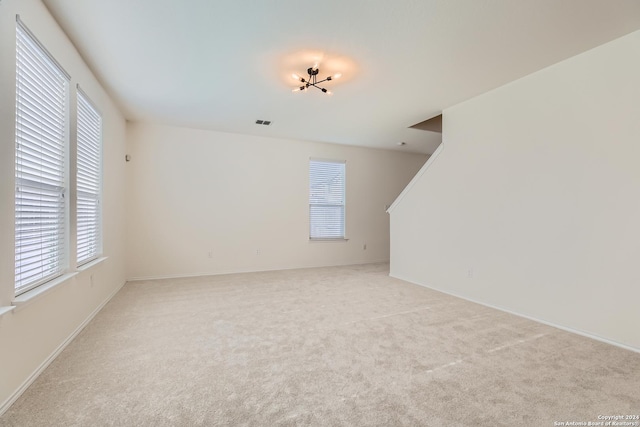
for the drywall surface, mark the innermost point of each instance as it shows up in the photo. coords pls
(532, 205)
(31, 334)
(204, 202)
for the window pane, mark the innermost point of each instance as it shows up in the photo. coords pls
(89, 181)
(327, 221)
(326, 199)
(40, 206)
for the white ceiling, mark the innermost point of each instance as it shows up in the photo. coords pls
(223, 64)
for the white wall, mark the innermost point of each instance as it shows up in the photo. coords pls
(195, 191)
(31, 334)
(537, 190)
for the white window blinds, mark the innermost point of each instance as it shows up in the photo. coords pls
(41, 138)
(326, 199)
(89, 175)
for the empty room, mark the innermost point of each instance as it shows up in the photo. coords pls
(355, 213)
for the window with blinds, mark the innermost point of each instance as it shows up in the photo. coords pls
(41, 146)
(326, 199)
(89, 176)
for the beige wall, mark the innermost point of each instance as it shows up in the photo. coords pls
(533, 205)
(31, 334)
(195, 192)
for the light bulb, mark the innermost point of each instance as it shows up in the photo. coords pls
(315, 66)
(295, 90)
(295, 76)
(337, 75)
(329, 93)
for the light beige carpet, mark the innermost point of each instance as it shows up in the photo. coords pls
(340, 346)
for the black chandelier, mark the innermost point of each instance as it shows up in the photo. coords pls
(312, 80)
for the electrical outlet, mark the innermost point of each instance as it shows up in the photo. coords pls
(210, 254)
(470, 273)
(364, 247)
(257, 251)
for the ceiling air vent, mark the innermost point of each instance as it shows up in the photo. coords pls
(263, 122)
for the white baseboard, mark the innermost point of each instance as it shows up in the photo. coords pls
(16, 394)
(241, 271)
(544, 322)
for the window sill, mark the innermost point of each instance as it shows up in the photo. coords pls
(339, 239)
(35, 293)
(91, 264)
(6, 310)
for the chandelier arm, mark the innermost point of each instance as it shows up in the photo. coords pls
(312, 80)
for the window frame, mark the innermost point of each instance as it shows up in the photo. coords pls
(83, 101)
(313, 225)
(42, 143)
